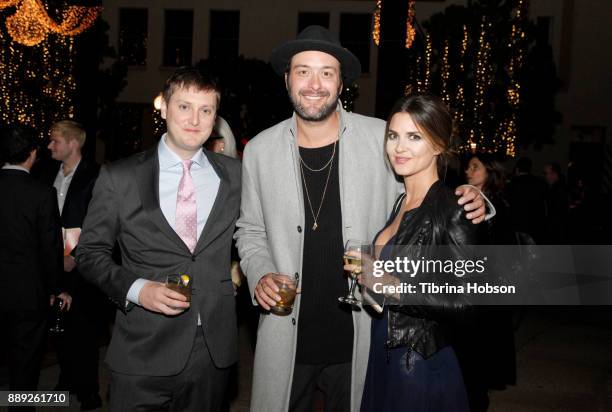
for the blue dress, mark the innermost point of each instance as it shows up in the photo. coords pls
(399, 379)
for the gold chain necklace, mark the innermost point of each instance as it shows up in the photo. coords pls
(315, 218)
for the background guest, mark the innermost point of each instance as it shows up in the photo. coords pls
(73, 177)
(557, 205)
(527, 198)
(486, 351)
(222, 139)
(30, 257)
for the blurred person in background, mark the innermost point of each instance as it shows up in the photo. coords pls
(527, 199)
(487, 352)
(222, 139)
(73, 176)
(557, 205)
(30, 257)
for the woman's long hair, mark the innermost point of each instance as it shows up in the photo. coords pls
(496, 175)
(432, 117)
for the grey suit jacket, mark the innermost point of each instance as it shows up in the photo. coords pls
(125, 209)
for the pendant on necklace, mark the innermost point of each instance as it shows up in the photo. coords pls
(315, 226)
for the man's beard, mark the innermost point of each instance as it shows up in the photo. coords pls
(323, 113)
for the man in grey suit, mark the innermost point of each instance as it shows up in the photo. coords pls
(172, 210)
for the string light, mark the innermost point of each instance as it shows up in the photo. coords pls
(376, 25)
(410, 30)
(428, 54)
(513, 93)
(460, 103)
(31, 24)
(484, 101)
(482, 81)
(37, 84)
(445, 74)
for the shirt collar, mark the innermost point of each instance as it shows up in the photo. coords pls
(168, 159)
(15, 167)
(61, 170)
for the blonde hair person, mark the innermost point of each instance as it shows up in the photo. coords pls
(227, 143)
(70, 130)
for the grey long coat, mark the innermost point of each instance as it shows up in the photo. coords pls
(270, 237)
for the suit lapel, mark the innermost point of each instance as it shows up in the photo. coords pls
(149, 194)
(77, 182)
(213, 228)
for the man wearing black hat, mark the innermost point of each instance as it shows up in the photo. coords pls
(309, 184)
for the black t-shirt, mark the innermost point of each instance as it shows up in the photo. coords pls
(325, 330)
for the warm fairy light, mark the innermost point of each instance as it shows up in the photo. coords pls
(157, 102)
(410, 30)
(483, 80)
(376, 28)
(428, 54)
(445, 74)
(37, 85)
(31, 23)
(509, 129)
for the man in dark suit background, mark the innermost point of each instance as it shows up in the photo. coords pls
(73, 177)
(30, 256)
(172, 210)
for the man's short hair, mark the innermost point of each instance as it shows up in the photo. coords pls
(70, 130)
(16, 144)
(188, 77)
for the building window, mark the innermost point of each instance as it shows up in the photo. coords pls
(133, 26)
(178, 37)
(306, 19)
(355, 36)
(224, 33)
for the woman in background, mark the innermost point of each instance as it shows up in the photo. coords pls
(222, 140)
(486, 173)
(487, 353)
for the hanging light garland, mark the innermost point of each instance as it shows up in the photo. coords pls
(460, 95)
(376, 25)
(513, 93)
(31, 24)
(428, 63)
(37, 83)
(445, 74)
(410, 30)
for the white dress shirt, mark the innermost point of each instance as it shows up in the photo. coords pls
(62, 184)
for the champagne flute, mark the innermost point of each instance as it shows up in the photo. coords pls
(360, 247)
(57, 323)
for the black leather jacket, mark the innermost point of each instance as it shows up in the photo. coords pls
(423, 322)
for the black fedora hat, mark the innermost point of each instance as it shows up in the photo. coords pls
(319, 39)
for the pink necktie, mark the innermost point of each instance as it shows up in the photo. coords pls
(186, 211)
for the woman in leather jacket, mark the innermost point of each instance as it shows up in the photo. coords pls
(412, 365)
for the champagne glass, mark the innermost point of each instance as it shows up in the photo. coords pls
(57, 322)
(360, 247)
